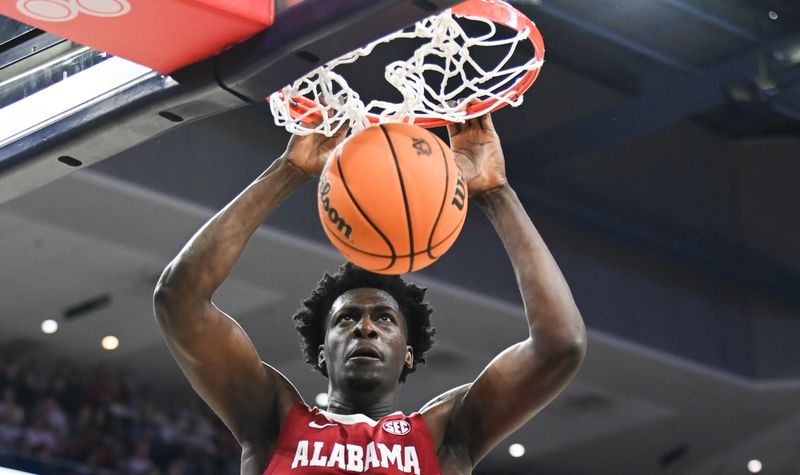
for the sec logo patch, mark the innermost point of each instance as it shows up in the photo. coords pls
(398, 427)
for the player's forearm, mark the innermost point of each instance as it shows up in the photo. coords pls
(554, 319)
(207, 259)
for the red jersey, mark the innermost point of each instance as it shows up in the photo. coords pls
(317, 442)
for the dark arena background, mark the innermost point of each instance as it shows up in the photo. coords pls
(658, 153)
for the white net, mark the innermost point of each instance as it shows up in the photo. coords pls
(448, 52)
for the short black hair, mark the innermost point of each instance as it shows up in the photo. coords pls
(312, 315)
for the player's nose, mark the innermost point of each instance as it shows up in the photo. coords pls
(365, 327)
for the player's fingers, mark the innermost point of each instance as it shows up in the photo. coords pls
(341, 132)
(482, 123)
(485, 122)
(454, 129)
(464, 107)
(314, 119)
(317, 115)
(474, 123)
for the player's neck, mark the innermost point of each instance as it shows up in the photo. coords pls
(371, 405)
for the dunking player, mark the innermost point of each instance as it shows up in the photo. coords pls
(366, 333)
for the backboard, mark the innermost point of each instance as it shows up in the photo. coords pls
(115, 103)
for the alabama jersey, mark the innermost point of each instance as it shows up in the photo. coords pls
(313, 441)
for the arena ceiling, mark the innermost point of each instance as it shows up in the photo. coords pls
(657, 153)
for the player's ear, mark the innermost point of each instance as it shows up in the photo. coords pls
(409, 356)
(321, 357)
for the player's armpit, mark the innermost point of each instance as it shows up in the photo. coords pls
(512, 389)
(437, 411)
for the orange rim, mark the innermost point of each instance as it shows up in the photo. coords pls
(495, 10)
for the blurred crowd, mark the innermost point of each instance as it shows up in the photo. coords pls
(58, 420)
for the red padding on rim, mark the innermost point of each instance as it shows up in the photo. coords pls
(164, 35)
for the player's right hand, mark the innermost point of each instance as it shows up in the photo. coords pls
(309, 153)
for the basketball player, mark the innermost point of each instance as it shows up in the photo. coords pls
(367, 338)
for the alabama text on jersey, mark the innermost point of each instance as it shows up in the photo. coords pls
(313, 441)
(355, 458)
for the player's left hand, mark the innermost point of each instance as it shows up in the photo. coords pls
(478, 154)
(309, 153)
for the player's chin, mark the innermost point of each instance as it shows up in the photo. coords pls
(364, 380)
(364, 368)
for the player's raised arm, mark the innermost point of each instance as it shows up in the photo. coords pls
(214, 352)
(525, 377)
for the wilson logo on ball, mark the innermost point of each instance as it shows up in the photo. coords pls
(333, 215)
(459, 193)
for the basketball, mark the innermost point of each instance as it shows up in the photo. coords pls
(391, 198)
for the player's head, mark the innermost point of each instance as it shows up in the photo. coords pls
(312, 319)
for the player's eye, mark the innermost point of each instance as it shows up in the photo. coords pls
(385, 317)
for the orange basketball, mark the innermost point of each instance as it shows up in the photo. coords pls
(391, 198)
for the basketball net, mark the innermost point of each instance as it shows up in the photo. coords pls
(323, 101)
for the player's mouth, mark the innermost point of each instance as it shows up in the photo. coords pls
(365, 353)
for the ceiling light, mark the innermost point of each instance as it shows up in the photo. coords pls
(8, 471)
(322, 400)
(790, 55)
(516, 450)
(110, 342)
(49, 326)
(773, 15)
(74, 93)
(754, 466)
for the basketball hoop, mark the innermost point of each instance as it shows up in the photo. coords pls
(323, 101)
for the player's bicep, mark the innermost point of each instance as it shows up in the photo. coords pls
(223, 366)
(512, 389)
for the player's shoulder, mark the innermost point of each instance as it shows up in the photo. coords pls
(446, 398)
(262, 422)
(437, 411)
